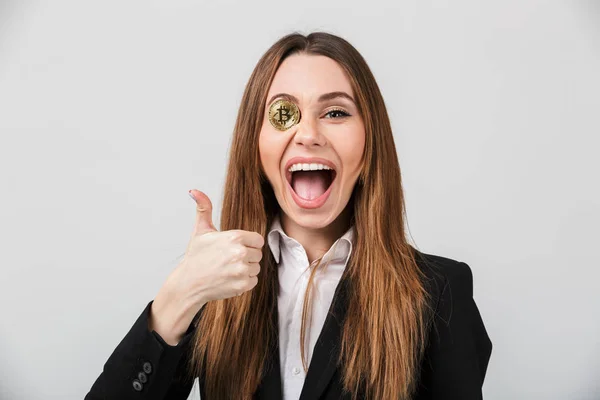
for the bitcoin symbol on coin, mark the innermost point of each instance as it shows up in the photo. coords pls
(283, 114)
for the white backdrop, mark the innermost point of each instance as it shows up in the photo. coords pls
(110, 111)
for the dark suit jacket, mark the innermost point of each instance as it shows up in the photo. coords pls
(143, 366)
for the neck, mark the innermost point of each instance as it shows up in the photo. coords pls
(317, 242)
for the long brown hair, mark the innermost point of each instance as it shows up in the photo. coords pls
(385, 330)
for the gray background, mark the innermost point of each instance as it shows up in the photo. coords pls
(110, 111)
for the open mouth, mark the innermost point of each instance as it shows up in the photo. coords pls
(310, 185)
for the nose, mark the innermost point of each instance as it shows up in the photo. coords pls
(308, 134)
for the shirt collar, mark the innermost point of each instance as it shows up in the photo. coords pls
(277, 237)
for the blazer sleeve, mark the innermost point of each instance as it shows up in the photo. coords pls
(143, 366)
(459, 348)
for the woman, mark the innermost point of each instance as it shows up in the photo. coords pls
(344, 307)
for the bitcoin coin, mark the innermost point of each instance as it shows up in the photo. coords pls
(284, 114)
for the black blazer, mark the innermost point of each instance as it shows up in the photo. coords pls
(143, 366)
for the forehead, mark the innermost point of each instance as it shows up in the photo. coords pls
(306, 76)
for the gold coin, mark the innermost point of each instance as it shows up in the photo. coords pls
(284, 114)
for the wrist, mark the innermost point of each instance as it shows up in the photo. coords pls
(169, 318)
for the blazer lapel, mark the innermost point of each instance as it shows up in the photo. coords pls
(325, 354)
(323, 362)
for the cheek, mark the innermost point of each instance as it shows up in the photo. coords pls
(351, 150)
(270, 154)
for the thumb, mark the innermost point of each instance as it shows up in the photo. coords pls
(204, 222)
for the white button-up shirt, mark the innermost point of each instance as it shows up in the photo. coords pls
(293, 281)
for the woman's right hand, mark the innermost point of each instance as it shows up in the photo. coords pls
(217, 265)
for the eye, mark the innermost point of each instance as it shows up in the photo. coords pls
(336, 113)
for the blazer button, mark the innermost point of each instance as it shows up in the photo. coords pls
(147, 367)
(137, 385)
(142, 377)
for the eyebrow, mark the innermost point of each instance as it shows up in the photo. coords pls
(322, 98)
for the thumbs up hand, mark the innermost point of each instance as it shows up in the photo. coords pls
(217, 265)
(220, 264)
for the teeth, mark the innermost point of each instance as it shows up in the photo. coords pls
(307, 167)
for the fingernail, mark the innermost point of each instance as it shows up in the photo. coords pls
(191, 195)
